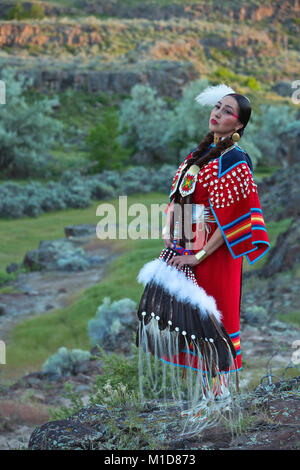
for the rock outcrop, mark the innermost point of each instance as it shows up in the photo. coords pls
(273, 411)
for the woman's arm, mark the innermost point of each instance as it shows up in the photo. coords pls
(215, 241)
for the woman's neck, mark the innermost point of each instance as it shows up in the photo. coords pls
(218, 137)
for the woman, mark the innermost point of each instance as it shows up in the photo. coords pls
(233, 216)
(223, 222)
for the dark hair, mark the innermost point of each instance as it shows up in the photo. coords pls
(244, 110)
(200, 157)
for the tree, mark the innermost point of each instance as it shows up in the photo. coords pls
(104, 148)
(27, 132)
(189, 122)
(144, 120)
(276, 128)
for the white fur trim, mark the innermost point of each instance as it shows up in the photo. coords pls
(176, 283)
(212, 94)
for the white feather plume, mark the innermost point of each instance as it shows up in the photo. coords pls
(176, 283)
(212, 94)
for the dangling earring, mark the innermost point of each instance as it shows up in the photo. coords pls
(235, 137)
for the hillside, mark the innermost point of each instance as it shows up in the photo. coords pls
(108, 46)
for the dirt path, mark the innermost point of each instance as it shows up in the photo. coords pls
(38, 292)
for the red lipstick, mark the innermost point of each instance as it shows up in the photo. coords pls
(213, 121)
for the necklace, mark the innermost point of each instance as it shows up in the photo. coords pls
(216, 139)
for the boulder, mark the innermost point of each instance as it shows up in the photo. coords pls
(61, 255)
(66, 434)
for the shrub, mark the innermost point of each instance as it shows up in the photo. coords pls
(66, 362)
(277, 124)
(110, 318)
(162, 178)
(144, 120)
(27, 131)
(136, 180)
(189, 122)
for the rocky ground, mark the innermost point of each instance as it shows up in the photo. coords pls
(268, 418)
(270, 412)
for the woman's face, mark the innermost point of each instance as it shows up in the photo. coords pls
(224, 119)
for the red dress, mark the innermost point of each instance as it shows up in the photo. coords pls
(226, 188)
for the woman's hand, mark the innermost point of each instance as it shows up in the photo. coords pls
(180, 261)
(168, 241)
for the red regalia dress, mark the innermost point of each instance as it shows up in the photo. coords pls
(226, 188)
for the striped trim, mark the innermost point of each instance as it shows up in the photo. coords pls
(242, 227)
(199, 370)
(232, 224)
(235, 338)
(238, 229)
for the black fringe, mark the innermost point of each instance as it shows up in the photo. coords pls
(201, 328)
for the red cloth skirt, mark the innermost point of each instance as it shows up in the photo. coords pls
(220, 275)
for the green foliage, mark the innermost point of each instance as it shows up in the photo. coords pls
(64, 412)
(227, 75)
(274, 124)
(118, 369)
(18, 12)
(188, 124)
(125, 370)
(35, 198)
(144, 120)
(110, 318)
(27, 131)
(103, 146)
(117, 396)
(293, 318)
(77, 191)
(65, 362)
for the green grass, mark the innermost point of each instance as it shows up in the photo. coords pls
(35, 339)
(293, 318)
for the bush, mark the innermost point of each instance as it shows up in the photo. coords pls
(136, 179)
(27, 131)
(144, 120)
(104, 148)
(110, 319)
(277, 124)
(77, 191)
(66, 362)
(162, 179)
(189, 122)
